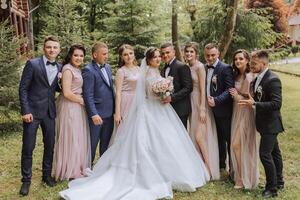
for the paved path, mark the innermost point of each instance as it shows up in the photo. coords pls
(287, 61)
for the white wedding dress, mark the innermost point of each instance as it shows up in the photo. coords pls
(152, 155)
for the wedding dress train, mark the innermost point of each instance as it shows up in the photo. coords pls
(152, 156)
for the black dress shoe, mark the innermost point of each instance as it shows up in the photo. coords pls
(269, 194)
(49, 181)
(25, 188)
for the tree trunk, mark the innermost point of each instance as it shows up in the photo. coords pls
(175, 40)
(230, 22)
(92, 17)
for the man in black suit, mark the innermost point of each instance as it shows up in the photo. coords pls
(37, 98)
(267, 103)
(182, 80)
(219, 79)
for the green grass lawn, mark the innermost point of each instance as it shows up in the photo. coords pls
(10, 149)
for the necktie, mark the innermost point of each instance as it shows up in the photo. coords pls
(50, 63)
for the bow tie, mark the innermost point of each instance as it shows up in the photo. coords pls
(210, 67)
(50, 63)
(101, 66)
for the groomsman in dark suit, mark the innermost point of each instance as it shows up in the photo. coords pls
(37, 98)
(98, 95)
(182, 80)
(219, 79)
(267, 102)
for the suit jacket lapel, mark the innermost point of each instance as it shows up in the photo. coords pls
(43, 68)
(259, 92)
(97, 68)
(109, 76)
(172, 65)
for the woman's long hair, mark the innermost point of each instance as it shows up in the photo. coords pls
(120, 52)
(236, 71)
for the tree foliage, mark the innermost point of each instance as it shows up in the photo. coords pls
(296, 8)
(10, 61)
(277, 9)
(251, 31)
(63, 18)
(131, 22)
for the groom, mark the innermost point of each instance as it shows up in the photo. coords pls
(98, 95)
(37, 98)
(182, 80)
(267, 103)
(219, 79)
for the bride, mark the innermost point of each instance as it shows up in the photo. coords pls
(152, 156)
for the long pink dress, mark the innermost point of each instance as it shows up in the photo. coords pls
(128, 88)
(130, 77)
(203, 131)
(72, 142)
(243, 124)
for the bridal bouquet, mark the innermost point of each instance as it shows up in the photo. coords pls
(163, 87)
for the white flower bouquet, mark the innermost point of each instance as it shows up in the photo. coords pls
(163, 87)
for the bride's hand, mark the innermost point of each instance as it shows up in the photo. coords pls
(117, 119)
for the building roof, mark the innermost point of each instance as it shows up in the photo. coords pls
(294, 20)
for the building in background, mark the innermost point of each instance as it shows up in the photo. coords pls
(17, 12)
(294, 29)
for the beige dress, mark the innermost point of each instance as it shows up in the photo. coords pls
(203, 131)
(72, 142)
(243, 123)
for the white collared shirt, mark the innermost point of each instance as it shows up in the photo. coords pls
(209, 77)
(50, 70)
(259, 78)
(168, 68)
(104, 72)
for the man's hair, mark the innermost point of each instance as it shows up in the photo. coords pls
(97, 46)
(260, 54)
(211, 46)
(51, 38)
(166, 45)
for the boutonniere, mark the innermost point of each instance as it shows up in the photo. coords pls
(59, 76)
(259, 92)
(214, 81)
(170, 78)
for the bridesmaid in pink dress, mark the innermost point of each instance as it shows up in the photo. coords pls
(244, 152)
(72, 142)
(126, 79)
(202, 127)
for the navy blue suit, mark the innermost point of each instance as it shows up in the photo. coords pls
(99, 100)
(223, 109)
(37, 97)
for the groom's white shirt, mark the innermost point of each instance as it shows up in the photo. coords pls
(168, 68)
(259, 78)
(209, 76)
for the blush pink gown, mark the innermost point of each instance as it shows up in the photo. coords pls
(72, 142)
(130, 77)
(243, 124)
(204, 131)
(128, 88)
